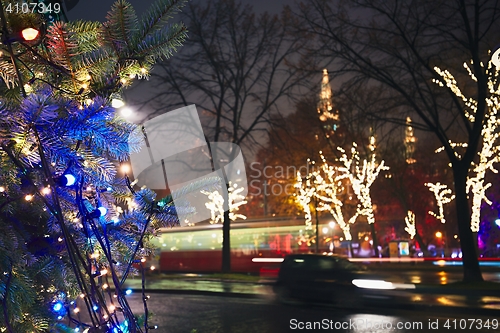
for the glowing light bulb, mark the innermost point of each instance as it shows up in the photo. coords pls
(28, 197)
(57, 306)
(70, 179)
(126, 112)
(29, 34)
(117, 103)
(125, 168)
(102, 210)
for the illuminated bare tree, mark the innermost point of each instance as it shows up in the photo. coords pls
(410, 224)
(361, 175)
(235, 69)
(396, 45)
(489, 151)
(443, 196)
(216, 204)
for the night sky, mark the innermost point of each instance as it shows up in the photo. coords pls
(95, 10)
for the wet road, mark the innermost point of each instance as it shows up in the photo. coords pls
(438, 276)
(214, 314)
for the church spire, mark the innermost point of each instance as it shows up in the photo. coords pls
(410, 142)
(325, 107)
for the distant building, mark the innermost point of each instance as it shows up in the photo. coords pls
(410, 142)
(325, 107)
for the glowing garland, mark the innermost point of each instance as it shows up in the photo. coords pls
(443, 196)
(489, 152)
(328, 191)
(305, 193)
(410, 224)
(216, 204)
(361, 175)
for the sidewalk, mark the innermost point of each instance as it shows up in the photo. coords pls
(435, 298)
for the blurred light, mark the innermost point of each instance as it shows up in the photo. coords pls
(102, 210)
(70, 179)
(372, 284)
(128, 291)
(117, 103)
(495, 57)
(28, 197)
(331, 224)
(29, 34)
(46, 190)
(497, 222)
(126, 112)
(267, 259)
(125, 168)
(57, 307)
(439, 234)
(325, 230)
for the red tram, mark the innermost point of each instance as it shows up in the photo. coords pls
(254, 244)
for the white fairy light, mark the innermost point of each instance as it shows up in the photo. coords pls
(361, 174)
(410, 224)
(488, 153)
(216, 204)
(305, 193)
(443, 196)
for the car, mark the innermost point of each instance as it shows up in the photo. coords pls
(329, 278)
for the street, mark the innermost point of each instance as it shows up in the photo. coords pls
(215, 314)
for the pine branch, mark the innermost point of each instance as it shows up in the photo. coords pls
(162, 43)
(122, 25)
(157, 16)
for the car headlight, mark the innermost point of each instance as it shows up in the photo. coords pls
(373, 284)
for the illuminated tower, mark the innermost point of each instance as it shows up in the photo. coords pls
(325, 107)
(410, 142)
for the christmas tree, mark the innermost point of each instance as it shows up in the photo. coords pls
(72, 226)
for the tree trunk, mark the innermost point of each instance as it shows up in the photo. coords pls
(421, 243)
(472, 271)
(226, 243)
